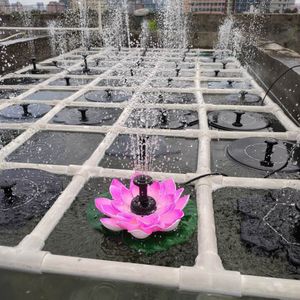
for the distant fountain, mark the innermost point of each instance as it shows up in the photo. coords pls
(230, 39)
(145, 34)
(174, 23)
(144, 147)
(116, 31)
(58, 39)
(224, 42)
(126, 16)
(238, 38)
(27, 22)
(84, 24)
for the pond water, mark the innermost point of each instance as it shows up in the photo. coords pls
(57, 147)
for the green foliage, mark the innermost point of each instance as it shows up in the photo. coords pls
(152, 25)
(157, 242)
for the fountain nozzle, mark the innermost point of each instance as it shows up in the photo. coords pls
(26, 113)
(83, 114)
(67, 79)
(164, 117)
(160, 98)
(34, 67)
(217, 73)
(144, 51)
(169, 81)
(237, 122)
(97, 61)
(108, 93)
(243, 94)
(268, 154)
(143, 204)
(85, 69)
(7, 186)
(230, 82)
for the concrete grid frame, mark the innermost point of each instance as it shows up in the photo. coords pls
(208, 274)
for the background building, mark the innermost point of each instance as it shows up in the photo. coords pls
(138, 4)
(40, 6)
(250, 6)
(16, 7)
(281, 5)
(91, 4)
(4, 6)
(54, 7)
(205, 6)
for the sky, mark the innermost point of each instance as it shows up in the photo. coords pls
(30, 2)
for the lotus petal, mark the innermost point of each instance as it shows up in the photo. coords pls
(172, 226)
(106, 207)
(110, 224)
(182, 202)
(169, 186)
(170, 217)
(139, 234)
(154, 190)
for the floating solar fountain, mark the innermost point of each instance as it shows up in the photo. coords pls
(26, 193)
(259, 157)
(229, 84)
(241, 98)
(87, 116)
(24, 112)
(107, 95)
(239, 120)
(164, 119)
(265, 154)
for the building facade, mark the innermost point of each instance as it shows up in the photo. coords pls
(4, 6)
(138, 4)
(16, 7)
(250, 6)
(281, 5)
(91, 4)
(54, 7)
(40, 6)
(205, 6)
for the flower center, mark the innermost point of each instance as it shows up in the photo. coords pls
(143, 204)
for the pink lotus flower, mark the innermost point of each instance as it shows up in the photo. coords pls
(167, 216)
